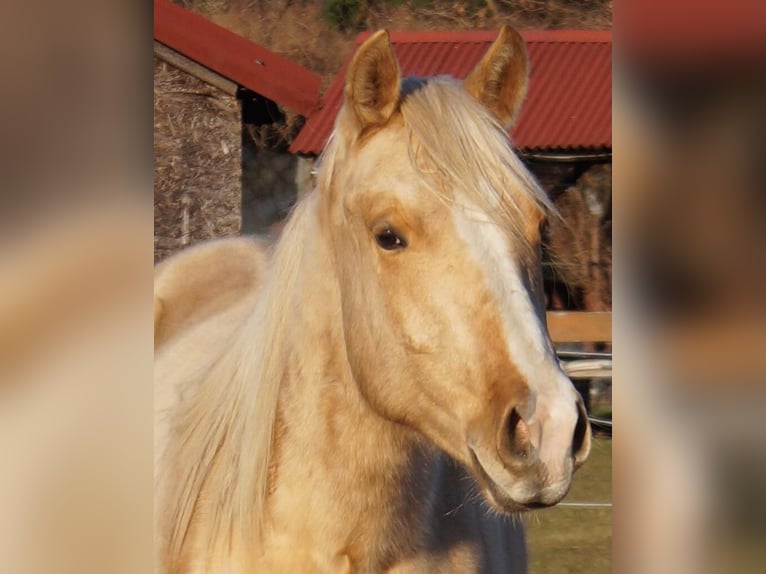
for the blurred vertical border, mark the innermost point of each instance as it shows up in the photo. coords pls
(689, 284)
(76, 287)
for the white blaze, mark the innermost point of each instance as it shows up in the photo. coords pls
(553, 415)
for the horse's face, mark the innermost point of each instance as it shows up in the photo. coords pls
(443, 324)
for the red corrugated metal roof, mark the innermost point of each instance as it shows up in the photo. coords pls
(236, 58)
(692, 34)
(569, 103)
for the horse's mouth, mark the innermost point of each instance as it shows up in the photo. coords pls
(492, 492)
(496, 495)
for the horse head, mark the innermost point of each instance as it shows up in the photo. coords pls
(434, 226)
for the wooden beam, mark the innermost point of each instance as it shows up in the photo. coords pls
(580, 326)
(183, 63)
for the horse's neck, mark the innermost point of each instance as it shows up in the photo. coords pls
(344, 480)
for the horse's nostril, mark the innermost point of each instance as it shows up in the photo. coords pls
(582, 435)
(518, 435)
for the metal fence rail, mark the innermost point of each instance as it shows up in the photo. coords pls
(584, 365)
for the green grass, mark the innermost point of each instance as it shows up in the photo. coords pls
(565, 540)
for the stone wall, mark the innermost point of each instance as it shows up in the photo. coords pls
(197, 161)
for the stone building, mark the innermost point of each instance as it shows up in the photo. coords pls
(225, 111)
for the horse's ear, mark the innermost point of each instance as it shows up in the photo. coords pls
(372, 82)
(499, 80)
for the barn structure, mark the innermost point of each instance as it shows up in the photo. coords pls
(225, 110)
(564, 135)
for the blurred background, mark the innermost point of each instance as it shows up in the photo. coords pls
(688, 281)
(75, 288)
(682, 269)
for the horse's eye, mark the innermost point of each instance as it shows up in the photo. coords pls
(389, 240)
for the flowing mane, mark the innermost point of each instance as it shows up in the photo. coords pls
(223, 431)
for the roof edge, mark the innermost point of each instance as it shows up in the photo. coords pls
(236, 58)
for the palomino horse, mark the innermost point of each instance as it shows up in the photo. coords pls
(386, 393)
